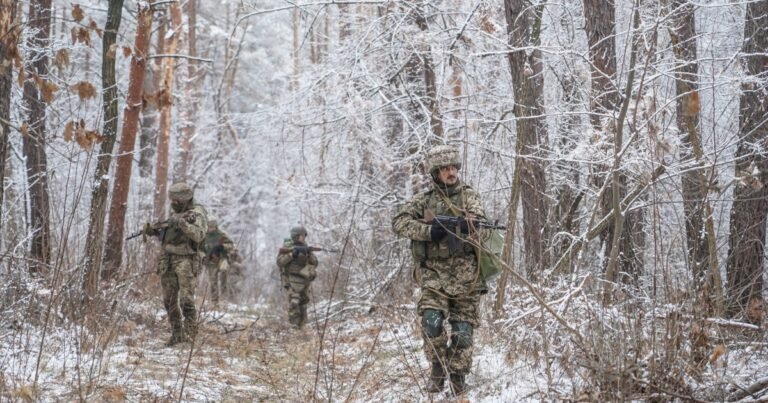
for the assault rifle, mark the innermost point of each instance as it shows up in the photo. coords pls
(302, 249)
(458, 225)
(157, 228)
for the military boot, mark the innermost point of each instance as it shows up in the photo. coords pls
(458, 386)
(177, 336)
(436, 378)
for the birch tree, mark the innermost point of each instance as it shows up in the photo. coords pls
(9, 55)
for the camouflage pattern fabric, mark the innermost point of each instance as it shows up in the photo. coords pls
(217, 246)
(449, 281)
(296, 275)
(178, 268)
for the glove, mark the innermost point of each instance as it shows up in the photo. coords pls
(437, 232)
(175, 219)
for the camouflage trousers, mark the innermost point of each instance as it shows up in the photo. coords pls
(298, 298)
(178, 275)
(442, 349)
(217, 281)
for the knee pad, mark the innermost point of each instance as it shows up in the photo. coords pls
(432, 322)
(461, 337)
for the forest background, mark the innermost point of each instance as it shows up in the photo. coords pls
(622, 143)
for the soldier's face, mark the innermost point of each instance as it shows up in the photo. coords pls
(300, 238)
(448, 175)
(211, 228)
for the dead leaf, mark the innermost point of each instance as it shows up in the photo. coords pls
(61, 59)
(48, 90)
(94, 27)
(112, 51)
(127, 51)
(717, 352)
(22, 76)
(77, 13)
(691, 107)
(164, 98)
(24, 129)
(85, 90)
(69, 130)
(81, 35)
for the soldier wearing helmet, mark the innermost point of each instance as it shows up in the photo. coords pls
(297, 265)
(218, 248)
(179, 262)
(451, 286)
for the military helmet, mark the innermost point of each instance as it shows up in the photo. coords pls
(441, 156)
(296, 231)
(212, 222)
(181, 192)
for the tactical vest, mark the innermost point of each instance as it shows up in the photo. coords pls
(448, 205)
(177, 243)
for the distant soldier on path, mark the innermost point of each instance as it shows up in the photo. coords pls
(218, 248)
(447, 268)
(297, 265)
(179, 262)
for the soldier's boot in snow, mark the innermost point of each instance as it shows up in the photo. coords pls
(458, 386)
(436, 378)
(177, 336)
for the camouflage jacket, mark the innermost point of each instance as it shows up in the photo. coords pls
(187, 236)
(217, 245)
(437, 268)
(303, 265)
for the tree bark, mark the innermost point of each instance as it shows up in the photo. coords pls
(523, 27)
(33, 144)
(600, 26)
(165, 100)
(190, 109)
(119, 204)
(750, 197)
(8, 49)
(99, 194)
(699, 228)
(150, 112)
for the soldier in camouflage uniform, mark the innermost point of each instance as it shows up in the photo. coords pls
(297, 270)
(179, 262)
(449, 278)
(217, 247)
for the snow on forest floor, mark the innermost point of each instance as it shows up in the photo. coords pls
(245, 354)
(249, 353)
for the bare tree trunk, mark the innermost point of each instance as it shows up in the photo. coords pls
(148, 137)
(165, 101)
(750, 197)
(699, 228)
(523, 26)
(600, 18)
(191, 96)
(8, 45)
(99, 194)
(119, 204)
(33, 144)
